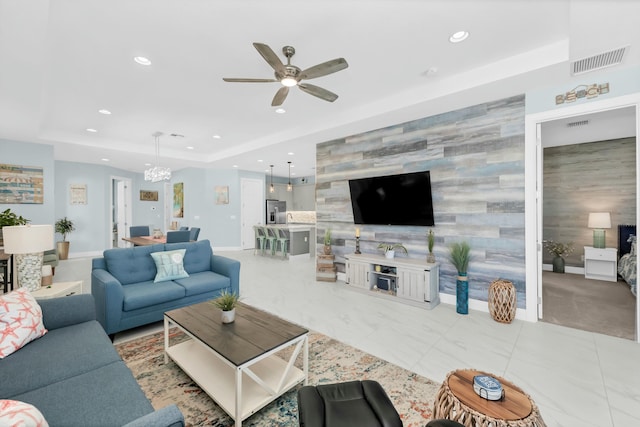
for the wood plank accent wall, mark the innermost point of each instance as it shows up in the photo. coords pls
(582, 178)
(476, 159)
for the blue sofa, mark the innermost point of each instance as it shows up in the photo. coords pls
(74, 376)
(122, 283)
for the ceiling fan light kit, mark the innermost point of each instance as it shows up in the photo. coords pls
(289, 75)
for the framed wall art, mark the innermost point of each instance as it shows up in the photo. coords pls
(21, 184)
(178, 200)
(78, 194)
(148, 196)
(222, 194)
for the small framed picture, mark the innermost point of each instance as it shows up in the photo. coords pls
(148, 196)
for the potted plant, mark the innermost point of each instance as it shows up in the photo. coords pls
(460, 255)
(227, 302)
(559, 251)
(327, 241)
(64, 226)
(431, 239)
(390, 249)
(8, 218)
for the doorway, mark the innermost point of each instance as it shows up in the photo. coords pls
(252, 210)
(121, 211)
(534, 190)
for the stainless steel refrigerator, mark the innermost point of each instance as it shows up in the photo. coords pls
(276, 212)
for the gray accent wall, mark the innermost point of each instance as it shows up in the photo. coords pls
(476, 159)
(582, 178)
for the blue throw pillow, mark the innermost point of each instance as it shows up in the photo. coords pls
(169, 265)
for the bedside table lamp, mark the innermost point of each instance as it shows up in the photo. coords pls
(599, 221)
(27, 243)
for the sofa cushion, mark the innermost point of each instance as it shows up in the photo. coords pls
(206, 281)
(198, 255)
(132, 265)
(169, 265)
(20, 321)
(147, 294)
(61, 353)
(106, 396)
(14, 413)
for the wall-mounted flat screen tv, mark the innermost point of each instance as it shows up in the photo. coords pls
(403, 199)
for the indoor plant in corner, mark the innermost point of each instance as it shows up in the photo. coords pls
(227, 302)
(327, 241)
(64, 226)
(459, 255)
(390, 249)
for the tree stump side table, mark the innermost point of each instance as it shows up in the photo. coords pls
(457, 401)
(502, 301)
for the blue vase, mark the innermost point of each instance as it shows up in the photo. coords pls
(462, 294)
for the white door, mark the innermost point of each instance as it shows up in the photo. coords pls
(540, 186)
(121, 220)
(121, 213)
(252, 210)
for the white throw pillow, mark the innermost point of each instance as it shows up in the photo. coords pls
(14, 413)
(20, 321)
(169, 265)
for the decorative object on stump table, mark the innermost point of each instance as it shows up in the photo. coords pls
(7, 219)
(459, 255)
(431, 238)
(64, 226)
(559, 251)
(327, 241)
(502, 301)
(390, 249)
(227, 302)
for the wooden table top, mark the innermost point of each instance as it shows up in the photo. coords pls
(516, 405)
(145, 240)
(252, 334)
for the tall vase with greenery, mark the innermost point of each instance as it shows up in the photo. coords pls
(559, 251)
(431, 239)
(327, 241)
(460, 255)
(8, 218)
(64, 226)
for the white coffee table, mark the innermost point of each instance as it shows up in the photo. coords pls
(58, 289)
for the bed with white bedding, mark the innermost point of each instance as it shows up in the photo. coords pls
(628, 264)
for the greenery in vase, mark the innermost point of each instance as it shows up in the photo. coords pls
(430, 240)
(227, 301)
(386, 247)
(558, 248)
(327, 237)
(8, 218)
(459, 255)
(64, 226)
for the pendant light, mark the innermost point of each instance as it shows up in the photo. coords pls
(289, 186)
(271, 187)
(157, 173)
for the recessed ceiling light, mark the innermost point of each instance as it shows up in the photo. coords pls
(291, 153)
(105, 112)
(92, 130)
(105, 160)
(235, 166)
(142, 60)
(190, 148)
(260, 160)
(280, 110)
(458, 36)
(147, 164)
(216, 137)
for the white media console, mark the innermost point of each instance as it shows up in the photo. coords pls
(415, 282)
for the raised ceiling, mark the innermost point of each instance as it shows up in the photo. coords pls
(61, 61)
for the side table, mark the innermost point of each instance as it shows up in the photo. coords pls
(58, 289)
(601, 263)
(457, 401)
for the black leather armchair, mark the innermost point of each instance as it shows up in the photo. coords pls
(355, 403)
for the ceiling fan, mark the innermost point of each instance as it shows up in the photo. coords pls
(290, 75)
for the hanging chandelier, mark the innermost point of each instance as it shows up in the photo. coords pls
(289, 186)
(157, 173)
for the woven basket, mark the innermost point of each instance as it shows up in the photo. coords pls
(502, 301)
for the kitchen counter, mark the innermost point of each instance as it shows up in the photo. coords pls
(301, 238)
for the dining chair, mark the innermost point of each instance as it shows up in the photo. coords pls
(193, 233)
(139, 230)
(178, 236)
(260, 239)
(183, 228)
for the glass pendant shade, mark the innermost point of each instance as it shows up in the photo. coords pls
(157, 173)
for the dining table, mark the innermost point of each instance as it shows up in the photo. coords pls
(145, 240)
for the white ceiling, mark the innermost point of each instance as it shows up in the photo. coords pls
(61, 61)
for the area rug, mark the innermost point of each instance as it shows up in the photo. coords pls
(330, 361)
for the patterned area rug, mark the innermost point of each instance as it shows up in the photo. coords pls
(330, 361)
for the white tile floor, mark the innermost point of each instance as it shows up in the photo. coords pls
(577, 378)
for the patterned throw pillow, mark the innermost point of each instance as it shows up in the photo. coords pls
(169, 265)
(20, 321)
(14, 413)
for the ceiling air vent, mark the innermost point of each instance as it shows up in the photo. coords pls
(596, 62)
(578, 123)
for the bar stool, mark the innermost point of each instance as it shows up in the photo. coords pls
(270, 236)
(283, 241)
(260, 239)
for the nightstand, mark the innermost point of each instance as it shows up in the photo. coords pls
(601, 264)
(58, 289)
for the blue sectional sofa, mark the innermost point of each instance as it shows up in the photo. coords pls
(122, 283)
(74, 376)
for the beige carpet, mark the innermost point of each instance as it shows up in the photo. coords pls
(591, 305)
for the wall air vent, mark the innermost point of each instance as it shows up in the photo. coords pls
(578, 123)
(596, 62)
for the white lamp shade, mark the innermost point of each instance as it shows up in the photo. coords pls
(27, 239)
(599, 220)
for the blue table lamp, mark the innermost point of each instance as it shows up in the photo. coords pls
(599, 221)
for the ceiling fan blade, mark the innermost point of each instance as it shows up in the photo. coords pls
(269, 55)
(232, 80)
(281, 95)
(324, 68)
(318, 91)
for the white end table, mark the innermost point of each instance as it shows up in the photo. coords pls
(601, 263)
(58, 289)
